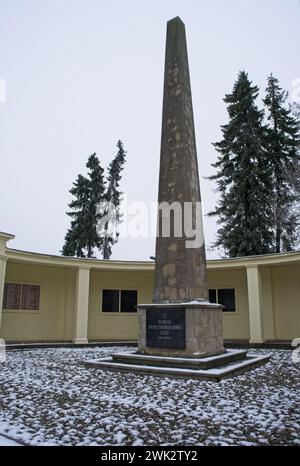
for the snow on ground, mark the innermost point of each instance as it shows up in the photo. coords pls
(5, 442)
(48, 396)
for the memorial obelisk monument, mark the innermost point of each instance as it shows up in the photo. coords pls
(180, 321)
(180, 332)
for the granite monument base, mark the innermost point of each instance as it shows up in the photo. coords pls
(215, 368)
(193, 329)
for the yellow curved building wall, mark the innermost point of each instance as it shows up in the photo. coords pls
(111, 325)
(53, 321)
(267, 292)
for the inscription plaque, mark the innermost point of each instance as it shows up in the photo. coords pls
(165, 328)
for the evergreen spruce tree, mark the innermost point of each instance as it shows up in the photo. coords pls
(295, 109)
(113, 198)
(243, 177)
(82, 238)
(76, 236)
(283, 150)
(96, 196)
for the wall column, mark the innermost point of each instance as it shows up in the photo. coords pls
(81, 305)
(2, 281)
(4, 237)
(268, 304)
(255, 305)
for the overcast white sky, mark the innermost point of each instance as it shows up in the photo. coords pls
(80, 74)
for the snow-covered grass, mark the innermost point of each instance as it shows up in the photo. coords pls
(48, 396)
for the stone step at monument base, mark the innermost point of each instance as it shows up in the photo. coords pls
(214, 368)
(201, 362)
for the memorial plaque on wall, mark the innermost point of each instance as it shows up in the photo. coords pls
(31, 297)
(165, 328)
(12, 296)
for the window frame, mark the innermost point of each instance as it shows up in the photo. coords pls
(235, 298)
(119, 312)
(120, 299)
(110, 312)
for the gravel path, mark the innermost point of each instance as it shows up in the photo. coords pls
(48, 396)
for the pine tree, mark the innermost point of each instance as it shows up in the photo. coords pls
(295, 181)
(283, 147)
(113, 198)
(243, 177)
(97, 189)
(75, 239)
(82, 238)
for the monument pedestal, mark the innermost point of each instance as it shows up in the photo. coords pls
(193, 329)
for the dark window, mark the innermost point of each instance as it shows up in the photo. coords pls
(212, 296)
(31, 297)
(128, 300)
(226, 297)
(110, 300)
(12, 296)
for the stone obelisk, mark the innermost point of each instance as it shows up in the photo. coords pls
(180, 332)
(180, 321)
(180, 272)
